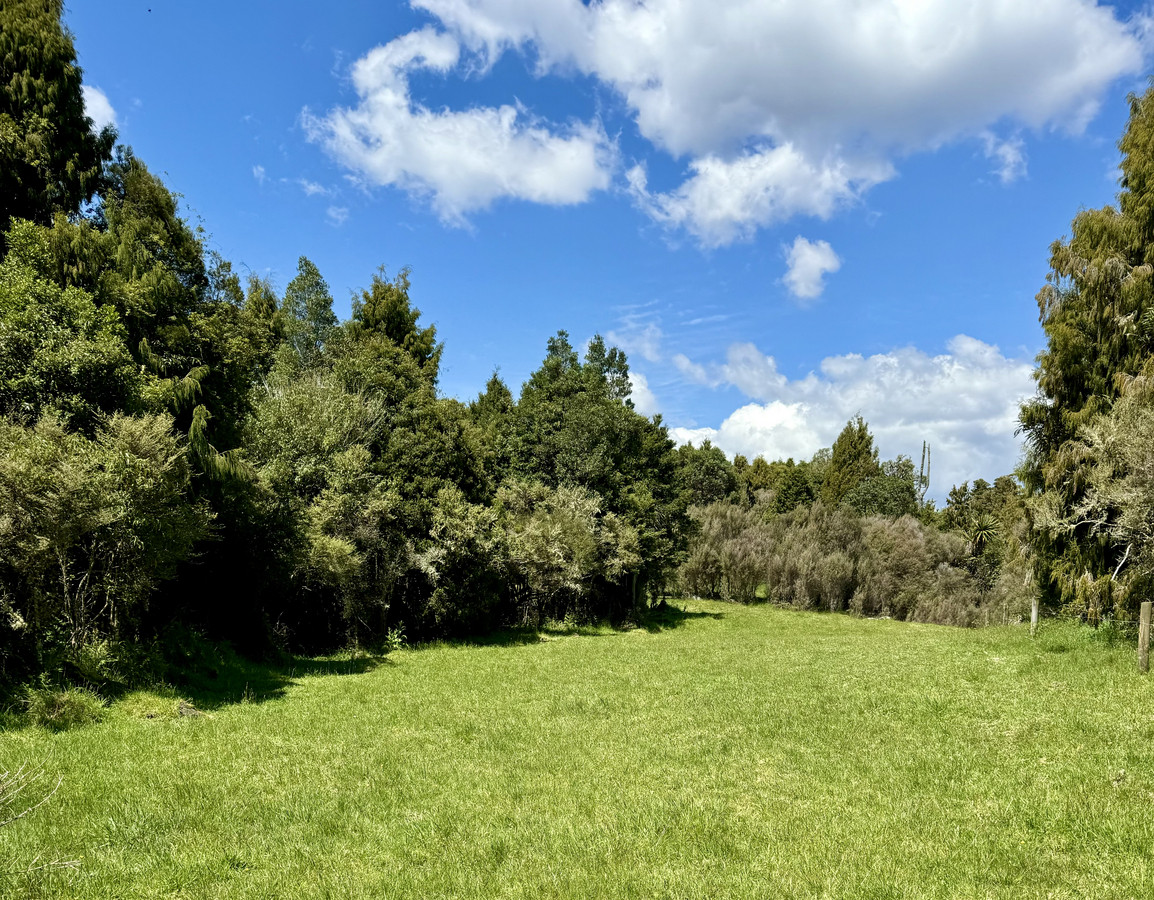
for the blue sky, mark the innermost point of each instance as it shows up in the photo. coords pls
(786, 213)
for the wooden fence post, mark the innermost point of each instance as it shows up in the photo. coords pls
(1144, 638)
(1034, 617)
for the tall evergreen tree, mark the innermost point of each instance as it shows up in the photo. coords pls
(50, 159)
(1097, 309)
(384, 309)
(854, 459)
(308, 308)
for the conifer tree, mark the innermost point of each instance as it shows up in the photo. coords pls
(50, 159)
(384, 309)
(308, 308)
(854, 460)
(1097, 309)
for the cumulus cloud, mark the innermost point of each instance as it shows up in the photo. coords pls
(758, 95)
(259, 174)
(723, 201)
(808, 263)
(964, 402)
(98, 107)
(462, 161)
(337, 215)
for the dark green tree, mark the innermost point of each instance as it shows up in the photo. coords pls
(50, 159)
(261, 301)
(854, 459)
(492, 416)
(384, 309)
(59, 351)
(1097, 309)
(759, 475)
(308, 309)
(893, 493)
(793, 488)
(705, 474)
(573, 426)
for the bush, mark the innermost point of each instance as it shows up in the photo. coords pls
(815, 557)
(897, 567)
(90, 528)
(728, 556)
(832, 558)
(952, 600)
(101, 663)
(61, 709)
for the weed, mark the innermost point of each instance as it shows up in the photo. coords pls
(395, 639)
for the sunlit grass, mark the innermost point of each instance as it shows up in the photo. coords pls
(746, 752)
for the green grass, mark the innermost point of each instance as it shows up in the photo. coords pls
(739, 752)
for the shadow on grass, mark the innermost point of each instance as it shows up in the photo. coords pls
(210, 676)
(240, 680)
(658, 618)
(665, 616)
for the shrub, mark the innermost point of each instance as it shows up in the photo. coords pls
(729, 555)
(953, 599)
(61, 709)
(91, 527)
(901, 566)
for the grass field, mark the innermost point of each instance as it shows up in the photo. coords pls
(734, 752)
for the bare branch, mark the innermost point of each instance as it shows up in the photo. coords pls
(13, 783)
(1122, 562)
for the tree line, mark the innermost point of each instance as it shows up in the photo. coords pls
(179, 446)
(848, 531)
(183, 447)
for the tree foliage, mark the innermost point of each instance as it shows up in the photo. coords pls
(1096, 309)
(51, 161)
(308, 310)
(853, 460)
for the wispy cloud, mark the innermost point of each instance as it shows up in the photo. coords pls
(1008, 156)
(312, 189)
(638, 337)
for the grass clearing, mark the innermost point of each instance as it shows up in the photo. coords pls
(738, 752)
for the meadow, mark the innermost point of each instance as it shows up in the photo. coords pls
(722, 751)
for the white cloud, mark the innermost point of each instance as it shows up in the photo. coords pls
(776, 430)
(964, 402)
(643, 399)
(259, 174)
(1009, 156)
(752, 94)
(638, 338)
(809, 262)
(337, 215)
(98, 107)
(694, 371)
(461, 160)
(312, 189)
(724, 201)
